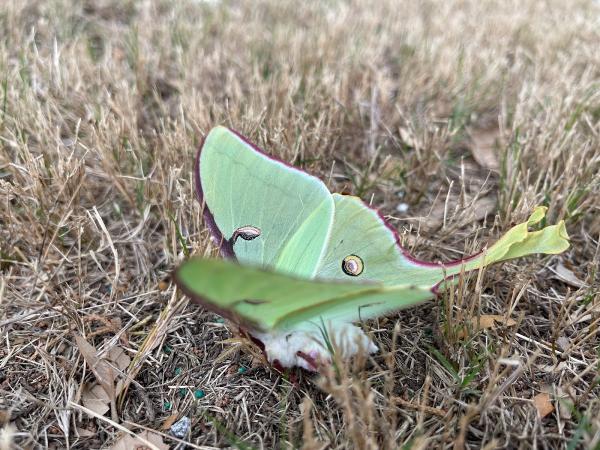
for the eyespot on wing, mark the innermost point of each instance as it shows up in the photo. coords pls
(353, 265)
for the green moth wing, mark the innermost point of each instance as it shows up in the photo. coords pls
(286, 214)
(264, 300)
(360, 231)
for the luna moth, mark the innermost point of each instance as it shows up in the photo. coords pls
(303, 265)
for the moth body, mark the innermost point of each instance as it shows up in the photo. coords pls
(293, 348)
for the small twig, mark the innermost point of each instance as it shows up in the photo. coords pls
(548, 347)
(113, 290)
(426, 409)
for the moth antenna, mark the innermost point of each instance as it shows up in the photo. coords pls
(247, 233)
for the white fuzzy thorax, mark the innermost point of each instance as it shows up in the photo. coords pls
(283, 346)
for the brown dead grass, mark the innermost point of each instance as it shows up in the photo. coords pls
(102, 105)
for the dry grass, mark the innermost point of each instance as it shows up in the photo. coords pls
(102, 105)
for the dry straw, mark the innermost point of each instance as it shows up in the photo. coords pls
(467, 113)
